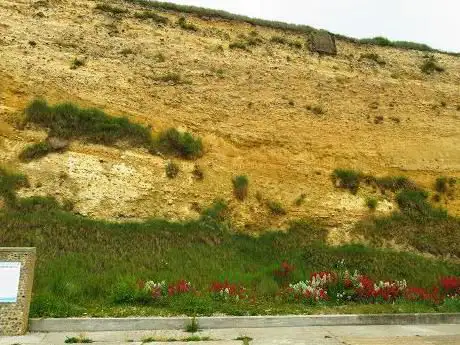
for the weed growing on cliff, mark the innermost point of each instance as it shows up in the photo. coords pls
(172, 170)
(9, 182)
(151, 15)
(431, 65)
(160, 57)
(198, 173)
(77, 62)
(300, 200)
(276, 208)
(36, 151)
(180, 144)
(173, 78)
(373, 57)
(286, 41)
(110, 9)
(347, 179)
(183, 24)
(239, 45)
(444, 183)
(371, 203)
(240, 187)
(393, 183)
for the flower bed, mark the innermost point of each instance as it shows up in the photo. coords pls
(340, 286)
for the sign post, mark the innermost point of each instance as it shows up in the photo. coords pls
(16, 278)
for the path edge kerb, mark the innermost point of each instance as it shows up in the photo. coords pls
(172, 323)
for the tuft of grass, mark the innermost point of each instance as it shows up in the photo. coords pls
(373, 57)
(192, 326)
(172, 170)
(240, 187)
(151, 15)
(78, 340)
(183, 24)
(239, 45)
(126, 51)
(110, 8)
(244, 339)
(171, 77)
(316, 109)
(300, 200)
(77, 62)
(183, 145)
(379, 119)
(431, 65)
(170, 340)
(9, 183)
(393, 183)
(443, 184)
(347, 179)
(276, 208)
(198, 173)
(371, 203)
(160, 57)
(36, 151)
(285, 41)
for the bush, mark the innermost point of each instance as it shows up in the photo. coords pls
(395, 183)
(182, 22)
(9, 182)
(373, 57)
(371, 203)
(77, 62)
(347, 179)
(300, 200)
(413, 201)
(443, 184)
(183, 145)
(379, 40)
(276, 208)
(430, 66)
(160, 57)
(152, 15)
(36, 151)
(110, 9)
(279, 40)
(198, 173)
(218, 212)
(171, 77)
(240, 187)
(172, 170)
(238, 45)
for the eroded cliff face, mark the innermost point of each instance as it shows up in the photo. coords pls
(281, 115)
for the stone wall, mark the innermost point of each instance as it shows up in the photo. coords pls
(14, 317)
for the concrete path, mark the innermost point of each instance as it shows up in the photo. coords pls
(319, 335)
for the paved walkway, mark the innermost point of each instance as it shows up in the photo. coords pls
(320, 335)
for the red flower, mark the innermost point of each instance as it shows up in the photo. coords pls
(450, 285)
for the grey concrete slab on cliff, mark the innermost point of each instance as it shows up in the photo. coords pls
(165, 323)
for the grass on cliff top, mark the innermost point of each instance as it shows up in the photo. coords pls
(298, 28)
(69, 121)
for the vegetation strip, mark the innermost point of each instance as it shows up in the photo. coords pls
(68, 121)
(303, 29)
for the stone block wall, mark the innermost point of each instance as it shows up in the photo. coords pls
(14, 317)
